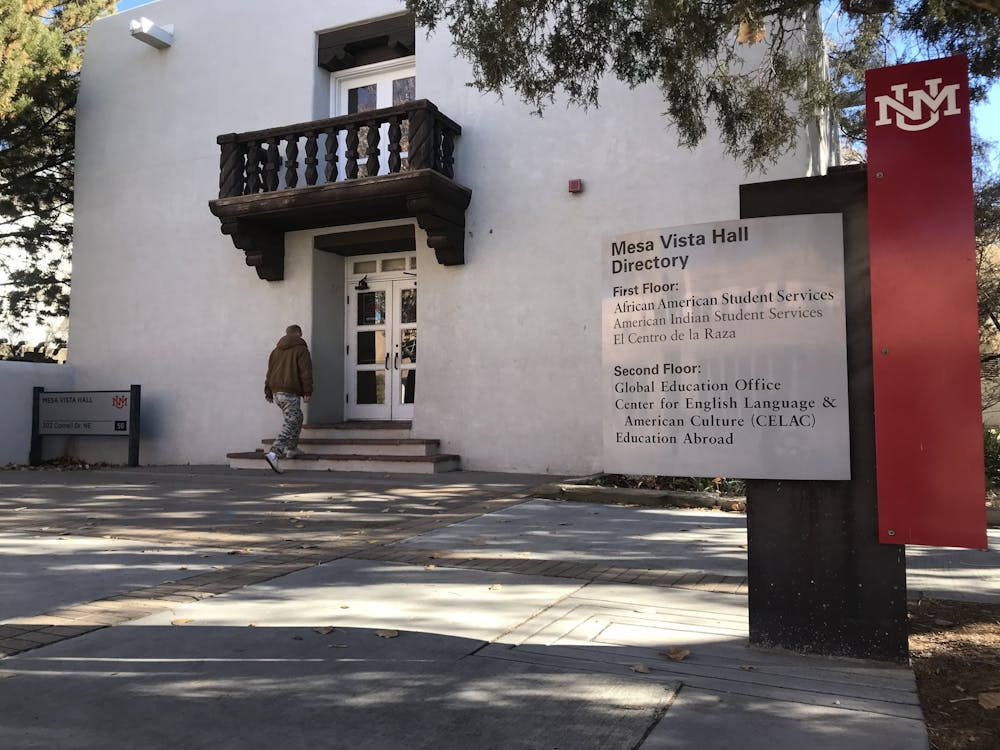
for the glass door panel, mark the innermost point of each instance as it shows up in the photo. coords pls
(405, 355)
(368, 352)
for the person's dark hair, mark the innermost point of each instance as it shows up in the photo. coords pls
(293, 330)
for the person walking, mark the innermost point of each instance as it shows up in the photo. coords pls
(289, 380)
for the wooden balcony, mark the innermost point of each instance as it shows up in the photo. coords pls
(265, 191)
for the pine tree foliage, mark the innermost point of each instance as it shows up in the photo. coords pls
(986, 180)
(754, 68)
(41, 45)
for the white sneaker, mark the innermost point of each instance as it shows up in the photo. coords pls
(272, 459)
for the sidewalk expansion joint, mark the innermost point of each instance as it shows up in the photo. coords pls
(601, 571)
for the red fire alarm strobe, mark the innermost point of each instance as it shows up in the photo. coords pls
(576, 186)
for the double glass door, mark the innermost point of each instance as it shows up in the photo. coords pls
(382, 349)
(375, 87)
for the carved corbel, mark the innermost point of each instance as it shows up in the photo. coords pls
(335, 58)
(445, 227)
(264, 247)
(401, 43)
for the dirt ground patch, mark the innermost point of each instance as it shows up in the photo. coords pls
(955, 652)
(717, 485)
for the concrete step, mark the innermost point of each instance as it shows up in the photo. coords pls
(365, 446)
(359, 430)
(436, 464)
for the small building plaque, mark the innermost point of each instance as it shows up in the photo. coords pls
(86, 413)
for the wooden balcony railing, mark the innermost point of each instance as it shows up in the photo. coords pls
(385, 164)
(266, 161)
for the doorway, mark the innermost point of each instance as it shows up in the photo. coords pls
(381, 337)
(376, 86)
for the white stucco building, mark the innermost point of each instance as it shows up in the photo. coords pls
(509, 325)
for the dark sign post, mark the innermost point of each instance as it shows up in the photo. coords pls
(819, 579)
(86, 413)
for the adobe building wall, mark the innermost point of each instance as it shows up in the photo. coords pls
(17, 380)
(509, 365)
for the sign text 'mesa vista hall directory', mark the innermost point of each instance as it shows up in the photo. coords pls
(724, 350)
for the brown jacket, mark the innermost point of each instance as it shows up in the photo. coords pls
(289, 368)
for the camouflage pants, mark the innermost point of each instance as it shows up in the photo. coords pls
(288, 438)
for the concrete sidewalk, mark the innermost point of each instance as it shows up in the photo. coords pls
(203, 608)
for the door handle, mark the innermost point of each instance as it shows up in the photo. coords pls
(395, 361)
(387, 360)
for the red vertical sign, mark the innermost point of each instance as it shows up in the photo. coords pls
(928, 420)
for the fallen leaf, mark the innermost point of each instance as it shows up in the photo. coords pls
(387, 633)
(747, 667)
(496, 587)
(296, 637)
(344, 606)
(323, 631)
(675, 653)
(430, 567)
(640, 668)
(181, 621)
(7, 675)
(989, 701)
(251, 624)
(182, 569)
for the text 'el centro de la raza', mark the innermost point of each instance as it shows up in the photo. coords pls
(724, 350)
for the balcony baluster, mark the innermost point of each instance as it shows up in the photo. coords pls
(271, 165)
(395, 135)
(311, 161)
(372, 150)
(351, 152)
(253, 168)
(292, 161)
(331, 154)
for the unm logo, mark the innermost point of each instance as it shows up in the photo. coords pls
(934, 95)
(120, 402)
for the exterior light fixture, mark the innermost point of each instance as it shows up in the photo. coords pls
(149, 33)
(362, 285)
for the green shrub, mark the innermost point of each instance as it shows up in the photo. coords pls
(991, 452)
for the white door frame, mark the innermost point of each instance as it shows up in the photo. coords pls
(341, 81)
(391, 355)
(382, 74)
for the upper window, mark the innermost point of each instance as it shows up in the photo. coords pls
(373, 87)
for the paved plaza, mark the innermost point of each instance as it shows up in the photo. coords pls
(206, 608)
